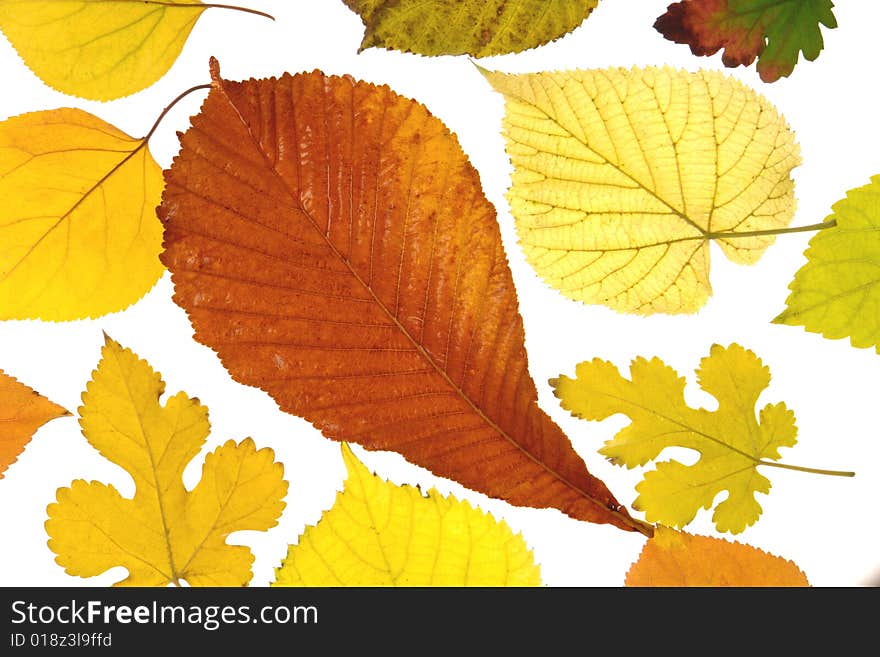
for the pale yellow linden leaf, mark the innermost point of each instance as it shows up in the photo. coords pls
(79, 236)
(380, 534)
(99, 49)
(623, 177)
(165, 533)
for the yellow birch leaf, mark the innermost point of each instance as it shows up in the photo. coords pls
(674, 558)
(100, 49)
(477, 27)
(164, 534)
(623, 178)
(79, 236)
(380, 534)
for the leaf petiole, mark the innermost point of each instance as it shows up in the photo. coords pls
(171, 105)
(209, 5)
(800, 468)
(773, 231)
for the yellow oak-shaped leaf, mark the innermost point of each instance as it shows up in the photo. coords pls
(623, 178)
(476, 27)
(731, 441)
(99, 49)
(79, 236)
(22, 412)
(837, 292)
(165, 533)
(380, 534)
(674, 558)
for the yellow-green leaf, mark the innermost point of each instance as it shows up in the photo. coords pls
(380, 534)
(731, 441)
(165, 533)
(79, 236)
(623, 178)
(99, 49)
(837, 293)
(477, 27)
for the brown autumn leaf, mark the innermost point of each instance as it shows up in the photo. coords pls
(331, 241)
(22, 412)
(674, 558)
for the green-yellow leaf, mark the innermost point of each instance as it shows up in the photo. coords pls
(79, 236)
(623, 178)
(380, 534)
(731, 441)
(99, 49)
(837, 293)
(477, 27)
(165, 533)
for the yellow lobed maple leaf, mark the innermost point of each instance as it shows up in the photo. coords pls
(380, 534)
(79, 236)
(674, 558)
(165, 534)
(732, 442)
(22, 412)
(101, 49)
(623, 178)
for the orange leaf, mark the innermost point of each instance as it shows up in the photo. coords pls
(331, 241)
(22, 412)
(675, 558)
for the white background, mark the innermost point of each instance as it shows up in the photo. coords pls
(827, 525)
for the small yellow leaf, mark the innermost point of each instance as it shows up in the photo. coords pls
(379, 534)
(732, 440)
(622, 178)
(99, 49)
(165, 533)
(79, 236)
(674, 558)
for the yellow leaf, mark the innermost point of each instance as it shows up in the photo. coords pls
(79, 236)
(99, 49)
(165, 533)
(478, 27)
(674, 558)
(622, 178)
(379, 534)
(732, 442)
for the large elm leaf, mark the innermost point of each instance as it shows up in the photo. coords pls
(837, 292)
(623, 178)
(165, 533)
(773, 31)
(78, 230)
(331, 241)
(477, 27)
(100, 49)
(380, 534)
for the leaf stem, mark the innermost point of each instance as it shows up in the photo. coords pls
(774, 231)
(210, 5)
(800, 468)
(171, 105)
